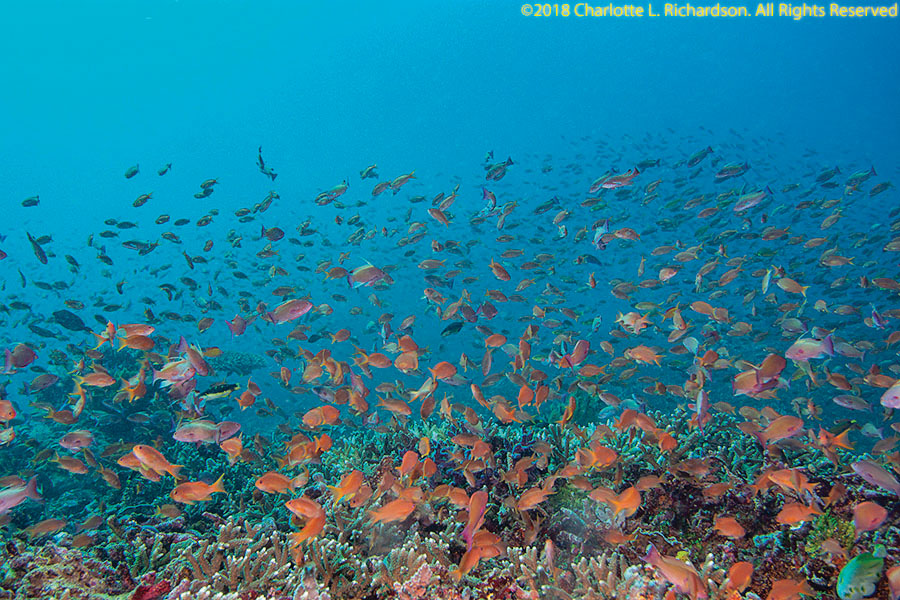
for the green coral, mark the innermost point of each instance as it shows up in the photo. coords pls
(827, 526)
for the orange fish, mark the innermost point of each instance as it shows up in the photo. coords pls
(789, 589)
(45, 527)
(196, 491)
(596, 457)
(395, 510)
(642, 354)
(868, 516)
(312, 511)
(499, 272)
(796, 512)
(151, 459)
(97, 379)
(322, 415)
(495, 340)
(233, 448)
(739, 575)
(683, 576)
(348, 487)
(443, 370)
(7, 411)
(729, 527)
(276, 483)
(781, 428)
(477, 508)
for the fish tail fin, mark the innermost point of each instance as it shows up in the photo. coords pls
(652, 557)
(100, 340)
(760, 437)
(123, 342)
(217, 485)
(842, 440)
(31, 489)
(828, 345)
(174, 469)
(872, 171)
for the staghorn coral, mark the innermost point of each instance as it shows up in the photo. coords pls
(825, 526)
(240, 558)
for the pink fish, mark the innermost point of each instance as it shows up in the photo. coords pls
(238, 325)
(487, 310)
(181, 389)
(195, 357)
(617, 181)
(174, 372)
(15, 495)
(808, 348)
(197, 431)
(206, 431)
(891, 396)
(288, 311)
(877, 475)
(76, 440)
(576, 356)
(20, 357)
(367, 275)
(42, 382)
(701, 408)
(752, 199)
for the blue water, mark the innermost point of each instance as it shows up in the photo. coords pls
(431, 86)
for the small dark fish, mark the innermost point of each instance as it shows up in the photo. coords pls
(267, 171)
(148, 248)
(452, 328)
(827, 174)
(164, 170)
(41, 331)
(70, 320)
(698, 156)
(181, 222)
(38, 251)
(31, 201)
(110, 222)
(132, 171)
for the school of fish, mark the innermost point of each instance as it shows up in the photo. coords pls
(681, 347)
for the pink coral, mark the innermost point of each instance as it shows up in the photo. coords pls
(151, 589)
